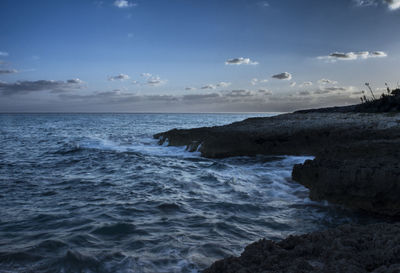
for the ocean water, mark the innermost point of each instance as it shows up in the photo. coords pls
(95, 193)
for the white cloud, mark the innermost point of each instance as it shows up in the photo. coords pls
(292, 84)
(306, 84)
(124, 4)
(223, 84)
(190, 88)
(326, 81)
(120, 77)
(350, 56)
(283, 76)
(2, 53)
(365, 3)
(239, 61)
(256, 81)
(146, 75)
(393, 4)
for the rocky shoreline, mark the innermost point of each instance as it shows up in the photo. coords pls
(356, 165)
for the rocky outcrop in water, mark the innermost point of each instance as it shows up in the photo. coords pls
(356, 164)
(363, 175)
(356, 160)
(354, 249)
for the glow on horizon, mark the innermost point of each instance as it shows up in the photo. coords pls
(201, 56)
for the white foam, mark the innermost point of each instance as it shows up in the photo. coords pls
(144, 146)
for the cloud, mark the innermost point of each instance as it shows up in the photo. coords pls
(146, 75)
(208, 86)
(256, 81)
(264, 4)
(326, 81)
(240, 61)
(264, 92)
(306, 84)
(8, 71)
(75, 81)
(24, 87)
(293, 84)
(155, 81)
(333, 57)
(190, 88)
(120, 77)
(124, 4)
(393, 4)
(283, 76)
(201, 97)
(223, 84)
(4, 54)
(326, 90)
(365, 3)
(227, 101)
(304, 93)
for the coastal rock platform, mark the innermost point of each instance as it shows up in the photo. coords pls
(356, 154)
(354, 249)
(356, 164)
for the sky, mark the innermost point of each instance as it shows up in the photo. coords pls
(194, 56)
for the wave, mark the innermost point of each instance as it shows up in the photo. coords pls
(146, 146)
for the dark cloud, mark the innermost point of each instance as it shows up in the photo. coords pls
(327, 90)
(75, 81)
(304, 93)
(349, 56)
(283, 76)
(239, 61)
(8, 71)
(201, 97)
(120, 77)
(208, 86)
(24, 87)
(155, 81)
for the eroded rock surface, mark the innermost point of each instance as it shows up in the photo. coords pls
(354, 249)
(357, 154)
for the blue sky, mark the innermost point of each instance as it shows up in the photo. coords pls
(194, 56)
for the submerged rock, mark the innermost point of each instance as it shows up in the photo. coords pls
(356, 249)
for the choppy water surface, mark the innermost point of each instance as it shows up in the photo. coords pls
(94, 193)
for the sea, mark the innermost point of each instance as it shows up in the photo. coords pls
(96, 193)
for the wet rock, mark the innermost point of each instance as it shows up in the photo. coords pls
(363, 175)
(356, 249)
